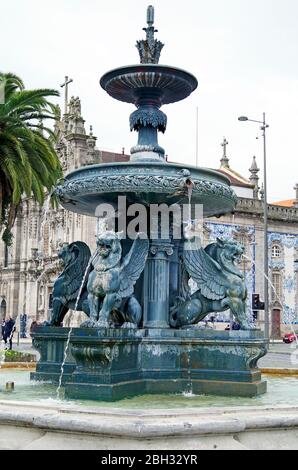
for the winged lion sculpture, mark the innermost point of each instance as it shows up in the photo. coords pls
(70, 288)
(220, 283)
(111, 283)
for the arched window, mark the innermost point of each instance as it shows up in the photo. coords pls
(275, 251)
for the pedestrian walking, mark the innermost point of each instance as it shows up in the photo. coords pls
(8, 331)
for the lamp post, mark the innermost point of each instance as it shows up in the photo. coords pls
(264, 126)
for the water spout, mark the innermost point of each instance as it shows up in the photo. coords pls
(189, 183)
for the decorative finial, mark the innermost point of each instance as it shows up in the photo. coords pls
(224, 162)
(150, 16)
(254, 167)
(254, 178)
(91, 131)
(296, 200)
(149, 48)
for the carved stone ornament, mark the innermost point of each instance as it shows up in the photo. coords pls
(148, 116)
(154, 249)
(141, 183)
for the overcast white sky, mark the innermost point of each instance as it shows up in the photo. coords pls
(243, 52)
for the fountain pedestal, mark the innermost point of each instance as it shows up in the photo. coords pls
(111, 364)
(51, 344)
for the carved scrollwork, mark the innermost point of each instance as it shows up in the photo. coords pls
(93, 356)
(154, 249)
(141, 183)
(40, 346)
(254, 355)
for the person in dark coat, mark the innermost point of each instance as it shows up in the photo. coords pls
(8, 331)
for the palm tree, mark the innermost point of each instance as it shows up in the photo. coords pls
(28, 162)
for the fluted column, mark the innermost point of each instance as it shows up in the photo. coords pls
(156, 284)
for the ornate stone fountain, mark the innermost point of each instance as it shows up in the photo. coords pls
(142, 334)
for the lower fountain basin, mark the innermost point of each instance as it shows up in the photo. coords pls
(145, 183)
(281, 391)
(110, 364)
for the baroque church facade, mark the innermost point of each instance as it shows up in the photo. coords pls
(30, 266)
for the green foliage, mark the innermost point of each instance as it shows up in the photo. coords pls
(29, 165)
(18, 356)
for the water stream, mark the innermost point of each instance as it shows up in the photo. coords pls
(189, 223)
(71, 328)
(189, 392)
(101, 226)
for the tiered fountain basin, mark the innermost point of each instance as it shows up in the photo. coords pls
(168, 84)
(146, 183)
(148, 87)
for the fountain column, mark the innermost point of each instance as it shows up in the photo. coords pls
(156, 285)
(147, 120)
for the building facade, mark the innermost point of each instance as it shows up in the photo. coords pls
(29, 267)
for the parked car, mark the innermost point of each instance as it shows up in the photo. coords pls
(290, 337)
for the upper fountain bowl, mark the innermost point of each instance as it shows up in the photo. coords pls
(167, 84)
(145, 183)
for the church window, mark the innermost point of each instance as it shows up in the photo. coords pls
(276, 290)
(275, 251)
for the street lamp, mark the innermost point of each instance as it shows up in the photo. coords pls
(264, 126)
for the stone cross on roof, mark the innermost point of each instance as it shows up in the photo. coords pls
(67, 81)
(224, 162)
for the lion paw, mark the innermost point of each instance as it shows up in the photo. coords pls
(89, 324)
(129, 325)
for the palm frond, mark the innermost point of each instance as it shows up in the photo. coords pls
(29, 164)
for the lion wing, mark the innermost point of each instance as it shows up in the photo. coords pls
(133, 266)
(74, 274)
(205, 271)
